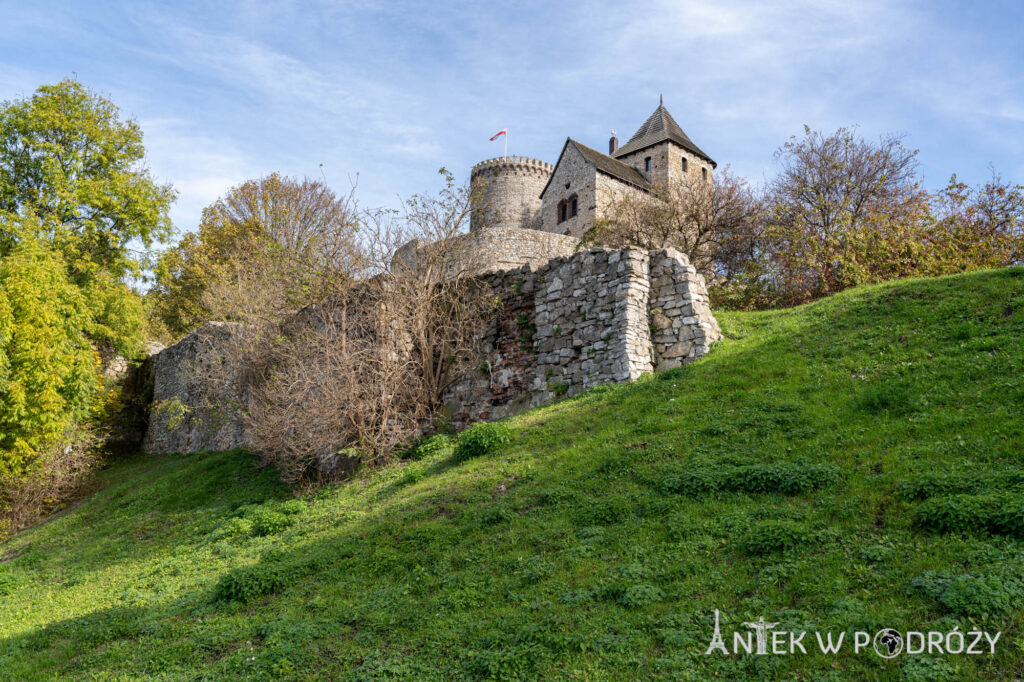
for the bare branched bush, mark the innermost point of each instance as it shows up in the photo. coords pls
(60, 472)
(711, 221)
(361, 371)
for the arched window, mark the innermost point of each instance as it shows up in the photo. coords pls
(684, 164)
(567, 208)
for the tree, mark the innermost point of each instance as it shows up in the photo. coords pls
(67, 158)
(48, 370)
(269, 246)
(837, 200)
(981, 226)
(362, 370)
(712, 222)
(76, 201)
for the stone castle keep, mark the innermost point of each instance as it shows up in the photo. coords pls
(570, 319)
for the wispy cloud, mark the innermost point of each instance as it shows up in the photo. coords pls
(393, 90)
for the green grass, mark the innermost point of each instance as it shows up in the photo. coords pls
(811, 469)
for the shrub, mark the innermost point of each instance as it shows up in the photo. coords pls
(7, 583)
(772, 536)
(48, 370)
(1009, 519)
(481, 439)
(695, 483)
(787, 478)
(232, 528)
(636, 596)
(293, 507)
(959, 513)
(971, 595)
(938, 484)
(248, 582)
(604, 512)
(438, 445)
(268, 522)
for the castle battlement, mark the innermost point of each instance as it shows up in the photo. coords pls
(513, 163)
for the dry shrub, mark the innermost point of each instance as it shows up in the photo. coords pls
(712, 221)
(361, 371)
(56, 477)
(339, 389)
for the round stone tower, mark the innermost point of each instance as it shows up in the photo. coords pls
(506, 192)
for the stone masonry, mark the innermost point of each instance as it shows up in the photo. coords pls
(508, 192)
(594, 317)
(182, 417)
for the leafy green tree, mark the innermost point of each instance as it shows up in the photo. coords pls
(48, 369)
(78, 208)
(68, 158)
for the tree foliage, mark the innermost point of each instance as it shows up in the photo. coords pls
(48, 369)
(76, 204)
(845, 211)
(269, 246)
(67, 158)
(711, 221)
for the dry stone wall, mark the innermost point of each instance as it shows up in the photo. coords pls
(595, 317)
(580, 320)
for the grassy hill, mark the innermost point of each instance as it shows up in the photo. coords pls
(853, 464)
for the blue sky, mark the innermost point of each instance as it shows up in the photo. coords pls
(391, 91)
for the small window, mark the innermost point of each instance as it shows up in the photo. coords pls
(647, 164)
(704, 173)
(572, 208)
(561, 211)
(684, 164)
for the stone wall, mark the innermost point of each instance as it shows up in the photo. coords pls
(580, 320)
(682, 326)
(507, 248)
(490, 250)
(195, 406)
(507, 192)
(595, 317)
(573, 177)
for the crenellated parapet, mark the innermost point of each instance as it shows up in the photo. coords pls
(514, 164)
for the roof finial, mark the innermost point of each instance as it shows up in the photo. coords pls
(661, 100)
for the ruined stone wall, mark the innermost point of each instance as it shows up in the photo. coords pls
(196, 394)
(595, 317)
(681, 323)
(506, 248)
(589, 318)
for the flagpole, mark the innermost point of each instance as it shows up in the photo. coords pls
(506, 143)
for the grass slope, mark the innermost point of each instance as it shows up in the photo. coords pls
(814, 469)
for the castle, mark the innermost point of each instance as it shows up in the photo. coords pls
(567, 198)
(569, 319)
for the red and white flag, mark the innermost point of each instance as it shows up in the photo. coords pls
(503, 131)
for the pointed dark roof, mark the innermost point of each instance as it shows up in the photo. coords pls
(657, 129)
(603, 163)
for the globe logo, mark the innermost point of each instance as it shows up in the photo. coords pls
(888, 643)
